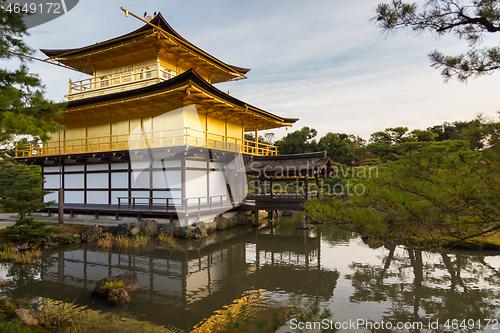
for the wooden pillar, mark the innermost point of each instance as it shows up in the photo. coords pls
(306, 189)
(256, 140)
(60, 204)
(183, 184)
(271, 187)
(317, 186)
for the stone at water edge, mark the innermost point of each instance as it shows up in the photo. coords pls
(119, 230)
(149, 227)
(171, 228)
(20, 245)
(118, 296)
(135, 231)
(25, 317)
(91, 234)
(129, 279)
(200, 225)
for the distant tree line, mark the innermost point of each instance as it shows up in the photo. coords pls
(383, 145)
(431, 186)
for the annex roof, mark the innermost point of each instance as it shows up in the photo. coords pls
(290, 166)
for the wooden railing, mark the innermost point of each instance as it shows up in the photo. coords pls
(154, 139)
(122, 78)
(193, 204)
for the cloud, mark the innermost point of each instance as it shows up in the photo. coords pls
(321, 61)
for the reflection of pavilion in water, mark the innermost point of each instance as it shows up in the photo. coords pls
(190, 283)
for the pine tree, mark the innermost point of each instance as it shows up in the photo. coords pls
(21, 188)
(470, 20)
(23, 108)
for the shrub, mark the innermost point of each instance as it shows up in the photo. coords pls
(35, 232)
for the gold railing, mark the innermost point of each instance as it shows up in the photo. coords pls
(122, 78)
(153, 139)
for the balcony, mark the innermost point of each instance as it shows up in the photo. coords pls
(126, 80)
(155, 139)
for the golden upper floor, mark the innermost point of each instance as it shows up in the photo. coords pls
(151, 54)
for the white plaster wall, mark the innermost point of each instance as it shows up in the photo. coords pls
(97, 180)
(167, 163)
(166, 179)
(73, 168)
(140, 180)
(51, 197)
(119, 166)
(196, 164)
(52, 182)
(97, 197)
(95, 167)
(217, 183)
(74, 197)
(196, 184)
(51, 169)
(73, 181)
(119, 180)
(116, 194)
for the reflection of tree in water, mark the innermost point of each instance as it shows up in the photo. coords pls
(437, 287)
(335, 235)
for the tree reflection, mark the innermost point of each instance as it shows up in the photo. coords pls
(428, 287)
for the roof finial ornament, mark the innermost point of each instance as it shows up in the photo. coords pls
(148, 17)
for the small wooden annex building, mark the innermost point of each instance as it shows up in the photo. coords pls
(283, 182)
(148, 129)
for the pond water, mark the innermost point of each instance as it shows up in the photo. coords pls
(196, 284)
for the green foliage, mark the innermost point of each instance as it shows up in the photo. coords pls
(435, 189)
(309, 310)
(470, 20)
(35, 232)
(67, 239)
(298, 142)
(387, 144)
(478, 133)
(9, 324)
(112, 285)
(23, 109)
(341, 147)
(21, 188)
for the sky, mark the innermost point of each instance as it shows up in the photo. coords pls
(322, 61)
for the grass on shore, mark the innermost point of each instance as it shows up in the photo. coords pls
(490, 242)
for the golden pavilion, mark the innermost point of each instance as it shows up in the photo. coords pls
(148, 90)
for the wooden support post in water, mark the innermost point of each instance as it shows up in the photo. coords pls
(317, 186)
(60, 204)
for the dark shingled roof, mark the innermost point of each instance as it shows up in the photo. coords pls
(293, 165)
(158, 20)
